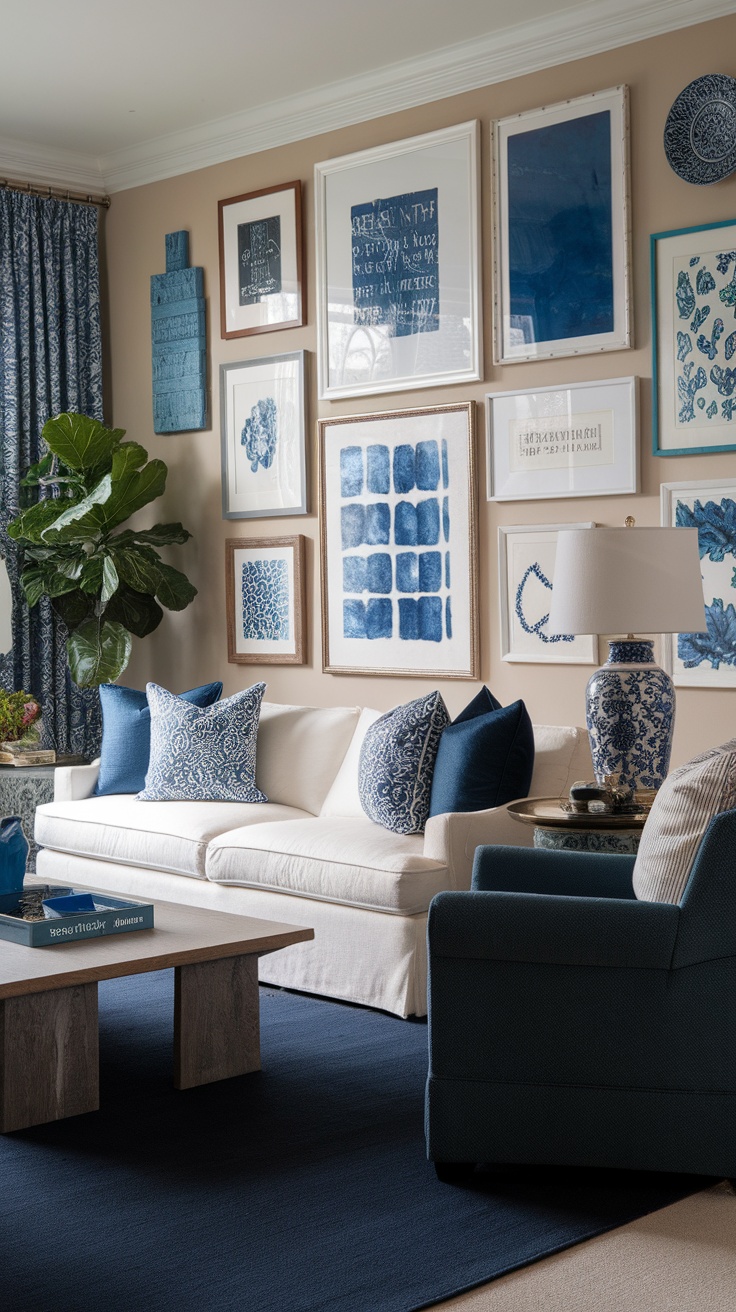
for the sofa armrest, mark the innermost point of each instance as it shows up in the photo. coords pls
(74, 782)
(569, 874)
(452, 838)
(567, 931)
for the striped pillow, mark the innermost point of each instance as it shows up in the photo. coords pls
(682, 810)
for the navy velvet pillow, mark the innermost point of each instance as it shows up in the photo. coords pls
(126, 735)
(485, 757)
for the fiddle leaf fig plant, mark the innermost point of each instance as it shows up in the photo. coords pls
(105, 585)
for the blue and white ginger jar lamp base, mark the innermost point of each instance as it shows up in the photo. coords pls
(631, 716)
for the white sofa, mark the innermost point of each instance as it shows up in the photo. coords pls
(309, 856)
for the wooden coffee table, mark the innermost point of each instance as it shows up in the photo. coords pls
(49, 1065)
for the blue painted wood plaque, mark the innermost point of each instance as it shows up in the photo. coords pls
(179, 342)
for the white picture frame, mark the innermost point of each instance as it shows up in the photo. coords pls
(526, 559)
(560, 171)
(398, 265)
(398, 526)
(263, 437)
(578, 440)
(706, 505)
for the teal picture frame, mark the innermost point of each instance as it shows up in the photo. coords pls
(689, 309)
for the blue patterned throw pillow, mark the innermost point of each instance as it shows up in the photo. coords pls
(397, 763)
(203, 754)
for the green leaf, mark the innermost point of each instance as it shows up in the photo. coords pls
(110, 581)
(33, 583)
(57, 584)
(140, 569)
(73, 607)
(129, 493)
(136, 610)
(91, 576)
(69, 519)
(98, 652)
(174, 590)
(70, 566)
(81, 442)
(31, 523)
(35, 473)
(128, 457)
(161, 535)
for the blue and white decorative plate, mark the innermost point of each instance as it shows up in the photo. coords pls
(700, 132)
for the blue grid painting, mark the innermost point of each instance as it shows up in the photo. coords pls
(395, 535)
(265, 599)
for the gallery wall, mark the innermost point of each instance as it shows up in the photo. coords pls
(191, 647)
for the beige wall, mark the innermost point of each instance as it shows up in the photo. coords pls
(191, 647)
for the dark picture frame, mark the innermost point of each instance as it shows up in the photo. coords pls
(261, 261)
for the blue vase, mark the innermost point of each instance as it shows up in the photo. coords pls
(13, 854)
(631, 716)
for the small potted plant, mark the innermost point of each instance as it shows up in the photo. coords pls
(19, 722)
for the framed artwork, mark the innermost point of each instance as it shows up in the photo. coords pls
(264, 465)
(574, 441)
(706, 660)
(694, 339)
(398, 535)
(526, 568)
(261, 261)
(562, 225)
(264, 590)
(398, 265)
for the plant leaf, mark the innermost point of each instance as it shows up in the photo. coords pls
(31, 523)
(73, 607)
(128, 457)
(70, 566)
(33, 583)
(136, 610)
(174, 590)
(98, 652)
(91, 576)
(137, 568)
(81, 442)
(77, 512)
(35, 473)
(129, 493)
(161, 535)
(110, 581)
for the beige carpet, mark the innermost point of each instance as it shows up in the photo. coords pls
(681, 1259)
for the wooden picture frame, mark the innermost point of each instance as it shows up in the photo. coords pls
(272, 629)
(261, 261)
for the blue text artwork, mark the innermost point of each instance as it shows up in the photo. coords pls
(265, 600)
(395, 550)
(260, 434)
(704, 302)
(395, 254)
(561, 230)
(259, 259)
(529, 624)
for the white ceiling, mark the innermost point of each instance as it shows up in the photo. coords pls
(115, 94)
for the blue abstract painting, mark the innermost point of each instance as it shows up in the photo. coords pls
(265, 600)
(259, 259)
(260, 434)
(395, 263)
(560, 230)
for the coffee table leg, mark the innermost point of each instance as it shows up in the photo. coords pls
(49, 1056)
(216, 1021)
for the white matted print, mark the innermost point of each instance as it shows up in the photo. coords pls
(574, 441)
(398, 265)
(263, 437)
(706, 660)
(261, 261)
(265, 600)
(526, 563)
(398, 526)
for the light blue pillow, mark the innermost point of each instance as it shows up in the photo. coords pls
(397, 763)
(126, 735)
(203, 754)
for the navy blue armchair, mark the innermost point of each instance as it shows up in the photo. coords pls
(571, 1024)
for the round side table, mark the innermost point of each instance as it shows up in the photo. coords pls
(23, 788)
(559, 830)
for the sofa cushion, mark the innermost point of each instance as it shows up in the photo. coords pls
(126, 735)
(203, 754)
(344, 795)
(485, 757)
(397, 763)
(300, 750)
(346, 860)
(169, 836)
(684, 806)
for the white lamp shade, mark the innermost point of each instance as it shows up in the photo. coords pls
(627, 580)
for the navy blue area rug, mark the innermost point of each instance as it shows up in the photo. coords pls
(302, 1188)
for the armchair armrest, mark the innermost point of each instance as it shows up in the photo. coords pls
(569, 931)
(571, 874)
(74, 782)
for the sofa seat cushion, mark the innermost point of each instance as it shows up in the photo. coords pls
(349, 860)
(169, 836)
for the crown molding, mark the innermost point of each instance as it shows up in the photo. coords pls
(570, 34)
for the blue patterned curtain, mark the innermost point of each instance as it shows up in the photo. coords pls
(50, 360)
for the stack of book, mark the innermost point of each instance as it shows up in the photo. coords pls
(23, 754)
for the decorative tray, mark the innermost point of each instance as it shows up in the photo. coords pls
(550, 812)
(112, 915)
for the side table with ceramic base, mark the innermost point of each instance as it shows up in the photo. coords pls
(558, 830)
(23, 788)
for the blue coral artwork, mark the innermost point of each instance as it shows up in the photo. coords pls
(527, 563)
(260, 434)
(400, 529)
(264, 600)
(263, 437)
(707, 659)
(264, 591)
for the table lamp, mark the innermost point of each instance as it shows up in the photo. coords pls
(628, 581)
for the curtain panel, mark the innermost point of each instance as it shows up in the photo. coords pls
(50, 361)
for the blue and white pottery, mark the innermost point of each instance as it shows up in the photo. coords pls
(631, 716)
(13, 854)
(700, 132)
